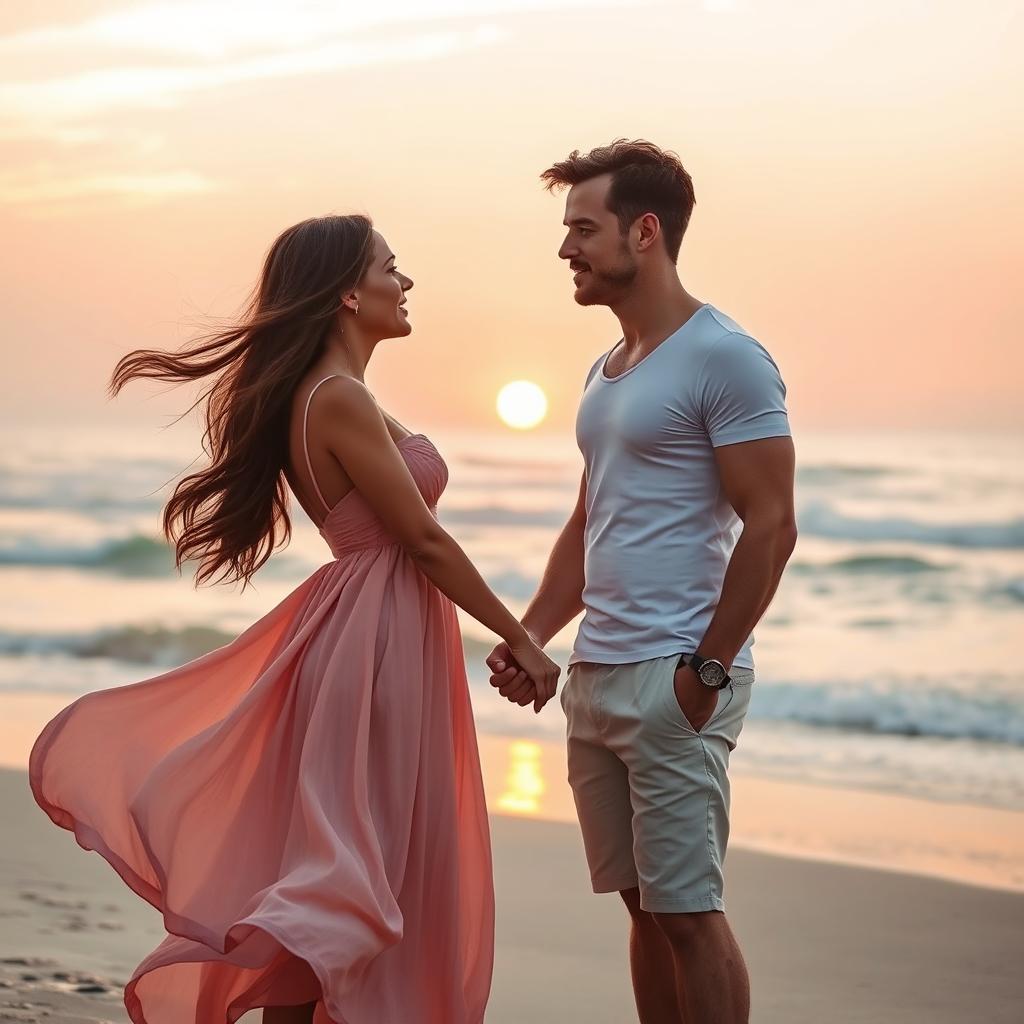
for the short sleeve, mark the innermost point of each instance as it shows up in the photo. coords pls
(742, 394)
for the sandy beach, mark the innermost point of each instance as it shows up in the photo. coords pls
(823, 941)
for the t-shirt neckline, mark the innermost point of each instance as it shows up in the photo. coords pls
(625, 373)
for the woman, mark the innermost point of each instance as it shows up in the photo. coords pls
(304, 805)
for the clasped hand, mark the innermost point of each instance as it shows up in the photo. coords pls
(523, 675)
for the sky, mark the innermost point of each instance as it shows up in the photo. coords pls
(857, 169)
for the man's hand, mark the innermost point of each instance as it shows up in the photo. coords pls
(510, 680)
(696, 701)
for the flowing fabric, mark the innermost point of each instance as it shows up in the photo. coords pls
(304, 805)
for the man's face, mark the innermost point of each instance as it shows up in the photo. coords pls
(599, 256)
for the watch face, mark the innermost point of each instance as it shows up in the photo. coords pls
(712, 673)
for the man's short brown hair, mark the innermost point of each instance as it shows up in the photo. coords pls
(645, 179)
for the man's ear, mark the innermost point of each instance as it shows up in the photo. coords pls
(649, 230)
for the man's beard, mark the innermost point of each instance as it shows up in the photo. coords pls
(610, 284)
(622, 275)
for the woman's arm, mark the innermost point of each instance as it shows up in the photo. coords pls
(357, 435)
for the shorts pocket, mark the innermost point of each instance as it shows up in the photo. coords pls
(676, 710)
(565, 686)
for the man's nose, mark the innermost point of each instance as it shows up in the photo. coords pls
(566, 251)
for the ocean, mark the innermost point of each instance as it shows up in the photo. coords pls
(888, 659)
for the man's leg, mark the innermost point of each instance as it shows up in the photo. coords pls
(600, 786)
(714, 986)
(679, 791)
(652, 967)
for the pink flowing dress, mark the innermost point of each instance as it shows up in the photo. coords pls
(304, 806)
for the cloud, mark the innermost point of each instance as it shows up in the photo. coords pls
(18, 190)
(107, 90)
(63, 85)
(220, 28)
(152, 56)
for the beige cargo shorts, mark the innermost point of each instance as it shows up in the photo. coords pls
(652, 794)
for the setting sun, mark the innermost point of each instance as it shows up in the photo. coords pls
(522, 404)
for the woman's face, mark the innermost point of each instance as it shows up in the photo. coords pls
(381, 294)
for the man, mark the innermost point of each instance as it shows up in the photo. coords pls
(686, 443)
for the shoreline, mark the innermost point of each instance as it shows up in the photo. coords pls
(812, 822)
(806, 821)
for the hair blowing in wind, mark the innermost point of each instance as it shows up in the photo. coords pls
(227, 516)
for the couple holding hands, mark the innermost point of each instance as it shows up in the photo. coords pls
(304, 805)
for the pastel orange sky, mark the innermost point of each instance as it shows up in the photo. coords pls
(857, 171)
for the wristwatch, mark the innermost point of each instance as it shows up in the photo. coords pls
(710, 671)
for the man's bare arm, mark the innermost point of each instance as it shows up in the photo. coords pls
(558, 600)
(758, 480)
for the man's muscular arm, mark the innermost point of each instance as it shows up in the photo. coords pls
(558, 600)
(757, 477)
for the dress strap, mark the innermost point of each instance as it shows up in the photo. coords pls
(305, 441)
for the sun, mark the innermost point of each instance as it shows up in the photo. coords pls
(522, 404)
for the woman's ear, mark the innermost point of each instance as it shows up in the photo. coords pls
(351, 303)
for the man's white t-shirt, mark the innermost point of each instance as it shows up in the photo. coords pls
(660, 531)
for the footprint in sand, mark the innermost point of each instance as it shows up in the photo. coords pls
(50, 901)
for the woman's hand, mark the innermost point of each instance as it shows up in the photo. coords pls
(524, 673)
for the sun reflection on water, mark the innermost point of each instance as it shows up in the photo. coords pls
(524, 781)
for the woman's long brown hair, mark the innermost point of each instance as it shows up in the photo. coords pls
(227, 516)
